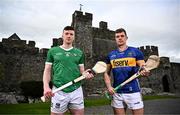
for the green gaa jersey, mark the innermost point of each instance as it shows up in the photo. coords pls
(65, 66)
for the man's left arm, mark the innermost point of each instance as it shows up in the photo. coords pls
(143, 71)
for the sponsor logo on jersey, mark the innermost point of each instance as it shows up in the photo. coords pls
(123, 62)
(130, 54)
(59, 53)
(67, 54)
(113, 56)
(137, 103)
(74, 54)
(57, 105)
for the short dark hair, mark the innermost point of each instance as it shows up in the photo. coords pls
(68, 28)
(121, 30)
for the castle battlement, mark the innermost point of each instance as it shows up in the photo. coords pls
(80, 15)
(14, 45)
(149, 50)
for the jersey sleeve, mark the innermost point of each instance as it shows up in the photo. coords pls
(107, 59)
(49, 58)
(139, 55)
(82, 59)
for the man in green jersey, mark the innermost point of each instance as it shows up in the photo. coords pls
(65, 63)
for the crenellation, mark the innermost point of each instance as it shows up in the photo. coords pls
(31, 44)
(78, 13)
(103, 25)
(15, 45)
(154, 50)
(78, 16)
(88, 16)
(142, 48)
(55, 42)
(149, 50)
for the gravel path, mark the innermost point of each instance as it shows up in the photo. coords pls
(155, 107)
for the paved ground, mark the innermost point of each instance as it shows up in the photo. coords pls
(152, 107)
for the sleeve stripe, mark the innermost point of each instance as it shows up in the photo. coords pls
(48, 63)
(140, 61)
(81, 64)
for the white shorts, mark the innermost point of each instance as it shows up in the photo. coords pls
(131, 100)
(62, 101)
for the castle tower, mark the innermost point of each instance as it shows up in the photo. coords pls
(83, 31)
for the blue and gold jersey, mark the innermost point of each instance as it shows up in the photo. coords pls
(124, 65)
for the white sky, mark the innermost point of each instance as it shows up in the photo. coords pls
(147, 22)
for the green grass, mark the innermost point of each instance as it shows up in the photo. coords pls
(96, 102)
(150, 97)
(44, 108)
(36, 108)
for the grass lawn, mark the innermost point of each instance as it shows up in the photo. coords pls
(43, 108)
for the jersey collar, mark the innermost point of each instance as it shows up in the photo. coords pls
(123, 50)
(66, 49)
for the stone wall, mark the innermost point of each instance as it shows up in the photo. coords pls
(19, 62)
(18, 68)
(175, 72)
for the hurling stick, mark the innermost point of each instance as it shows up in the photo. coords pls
(99, 67)
(151, 63)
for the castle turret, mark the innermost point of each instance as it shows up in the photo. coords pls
(83, 31)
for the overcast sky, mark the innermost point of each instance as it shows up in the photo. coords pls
(148, 22)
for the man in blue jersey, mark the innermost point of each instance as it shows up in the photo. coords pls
(124, 62)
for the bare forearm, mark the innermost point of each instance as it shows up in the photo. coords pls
(46, 79)
(107, 80)
(46, 76)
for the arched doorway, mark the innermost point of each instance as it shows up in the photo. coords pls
(165, 83)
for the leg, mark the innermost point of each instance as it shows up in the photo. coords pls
(118, 104)
(77, 111)
(76, 104)
(119, 111)
(134, 103)
(59, 103)
(138, 111)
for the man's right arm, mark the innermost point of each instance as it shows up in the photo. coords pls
(46, 80)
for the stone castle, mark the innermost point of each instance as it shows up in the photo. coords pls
(24, 62)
